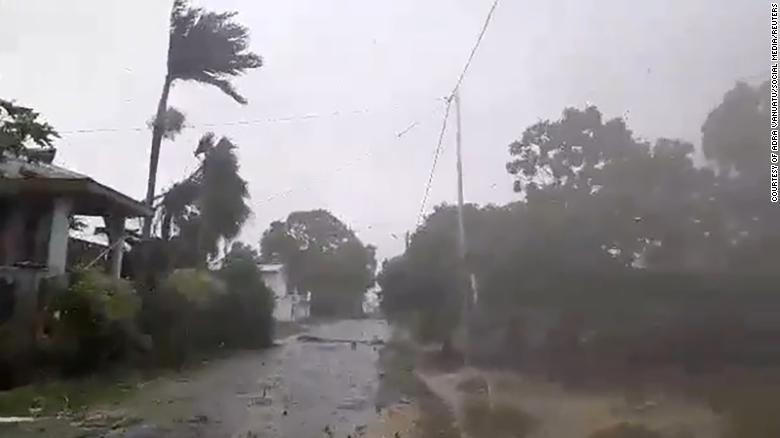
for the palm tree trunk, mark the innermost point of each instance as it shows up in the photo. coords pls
(154, 156)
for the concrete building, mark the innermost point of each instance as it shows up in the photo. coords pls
(289, 305)
(37, 201)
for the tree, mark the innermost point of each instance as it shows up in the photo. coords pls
(734, 133)
(734, 138)
(323, 256)
(241, 251)
(247, 311)
(421, 285)
(619, 195)
(22, 134)
(598, 204)
(209, 206)
(205, 47)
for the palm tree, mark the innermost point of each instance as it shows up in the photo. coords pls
(205, 47)
(209, 206)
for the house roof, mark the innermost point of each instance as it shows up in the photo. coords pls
(21, 178)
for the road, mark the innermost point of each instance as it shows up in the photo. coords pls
(304, 388)
(322, 384)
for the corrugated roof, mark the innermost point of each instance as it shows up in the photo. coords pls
(14, 168)
(22, 176)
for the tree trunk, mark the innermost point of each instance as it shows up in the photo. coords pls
(154, 156)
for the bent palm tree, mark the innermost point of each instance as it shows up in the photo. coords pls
(210, 204)
(205, 47)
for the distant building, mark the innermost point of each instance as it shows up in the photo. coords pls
(289, 305)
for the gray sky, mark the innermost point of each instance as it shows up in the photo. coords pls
(384, 65)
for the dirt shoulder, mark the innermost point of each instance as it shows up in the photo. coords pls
(490, 404)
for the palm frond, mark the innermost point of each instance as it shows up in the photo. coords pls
(209, 47)
(205, 144)
(224, 191)
(223, 84)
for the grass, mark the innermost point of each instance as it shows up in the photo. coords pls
(398, 361)
(47, 398)
(501, 420)
(50, 398)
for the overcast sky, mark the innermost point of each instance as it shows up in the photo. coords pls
(384, 65)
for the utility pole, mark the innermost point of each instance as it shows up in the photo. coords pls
(458, 141)
(465, 278)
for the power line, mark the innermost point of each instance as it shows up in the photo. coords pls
(277, 119)
(476, 46)
(357, 160)
(436, 154)
(439, 143)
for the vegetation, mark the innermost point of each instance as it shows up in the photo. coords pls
(92, 323)
(608, 223)
(22, 134)
(205, 47)
(184, 301)
(208, 207)
(196, 312)
(247, 312)
(322, 256)
(621, 258)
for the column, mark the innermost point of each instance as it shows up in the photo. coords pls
(115, 224)
(58, 236)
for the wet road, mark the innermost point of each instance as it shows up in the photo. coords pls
(320, 385)
(331, 386)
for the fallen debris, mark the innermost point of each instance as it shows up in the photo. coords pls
(14, 420)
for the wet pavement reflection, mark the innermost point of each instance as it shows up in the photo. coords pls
(329, 380)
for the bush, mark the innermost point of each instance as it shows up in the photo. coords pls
(177, 315)
(246, 311)
(196, 312)
(198, 287)
(92, 322)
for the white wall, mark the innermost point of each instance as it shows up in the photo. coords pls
(283, 308)
(276, 282)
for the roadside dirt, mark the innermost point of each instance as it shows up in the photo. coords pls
(556, 412)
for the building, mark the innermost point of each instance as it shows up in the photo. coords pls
(37, 202)
(289, 305)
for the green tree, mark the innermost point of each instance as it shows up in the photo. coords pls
(22, 134)
(643, 204)
(734, 137)
(323, 256)
(205, 47)
(247, 311)
(242, 251)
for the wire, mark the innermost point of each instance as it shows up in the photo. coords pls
(283, 119)
(436, 154)
(349, 164)
(476, 46)
(437, 151)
